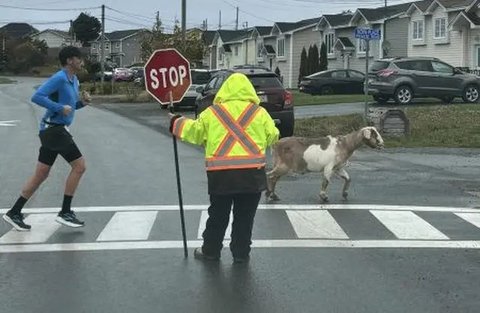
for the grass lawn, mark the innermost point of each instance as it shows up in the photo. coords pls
(433, 126)
(4, 80)
(300, 98)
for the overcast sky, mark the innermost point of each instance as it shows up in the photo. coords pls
(127, 14)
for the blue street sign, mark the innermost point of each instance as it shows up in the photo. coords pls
(367, 33)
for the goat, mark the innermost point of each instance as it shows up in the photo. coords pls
(328, 154)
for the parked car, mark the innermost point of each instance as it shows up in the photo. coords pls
(138, 77)
(404, 79)
(333, 82)
(273, 95)
(199, 78)
(122, 74)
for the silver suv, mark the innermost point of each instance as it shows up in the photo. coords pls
(406, 78)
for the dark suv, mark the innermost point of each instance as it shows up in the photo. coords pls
(405, 78)
(273, 96)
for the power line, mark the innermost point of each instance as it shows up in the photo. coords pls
(43, 9)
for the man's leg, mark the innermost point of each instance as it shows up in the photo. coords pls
(217, 222)
(73, 156)
(14, 216)
(244, 209)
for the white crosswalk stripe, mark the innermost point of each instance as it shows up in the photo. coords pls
(315, 224)
(43, 224)
(315, 227)
(408, 225)
(128, 226)
(472, 218)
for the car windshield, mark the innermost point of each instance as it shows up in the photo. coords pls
(200, 78)
(265, 82)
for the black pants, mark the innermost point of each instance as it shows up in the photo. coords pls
(244, 209)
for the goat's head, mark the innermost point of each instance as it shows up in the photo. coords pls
(372, 138)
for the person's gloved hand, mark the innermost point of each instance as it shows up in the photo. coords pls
(173, 118)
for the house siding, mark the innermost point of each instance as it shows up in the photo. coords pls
(451, 51)
(131, 47)
(396, 33)
(301, 39)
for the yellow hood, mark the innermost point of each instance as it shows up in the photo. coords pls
(237, 87)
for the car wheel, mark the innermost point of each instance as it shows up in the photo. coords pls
(326, 90)
(381, 99)
(471, 94)
(447, 99)
(403, 95)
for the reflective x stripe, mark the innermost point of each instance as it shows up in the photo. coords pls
(235, 163)
(236, 132)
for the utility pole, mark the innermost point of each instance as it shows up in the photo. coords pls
(236, 20)
(184, 21)
(220, 19)
(102, 52)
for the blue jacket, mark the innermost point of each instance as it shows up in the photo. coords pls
(56, 92)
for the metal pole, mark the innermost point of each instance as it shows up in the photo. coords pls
(236, 19)
(184, 21)
(102, 52)
(179, 185)
(365, 87)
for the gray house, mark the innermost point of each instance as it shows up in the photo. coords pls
(121, 47)
(345, 51)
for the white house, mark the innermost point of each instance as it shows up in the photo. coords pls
(55, 38)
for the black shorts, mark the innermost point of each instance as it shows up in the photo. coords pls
(55, 141)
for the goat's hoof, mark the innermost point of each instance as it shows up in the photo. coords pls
(274, 197)
(345, 195)
(324, 198)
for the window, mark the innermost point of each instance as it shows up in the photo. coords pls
(265, 81)
(330, 43)
(281, 47)
(355, 74)
(259, 49)
(361, 46)
(417, 30)
(339, 74)
(440, 67)
(117, 45)
(236, 51)
(440, 28)
(211, 84)
(107, 46)
(221, 52)
(94, 46)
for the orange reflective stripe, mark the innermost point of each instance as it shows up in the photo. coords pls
(236, 131)
(178, 125)
(235, 163)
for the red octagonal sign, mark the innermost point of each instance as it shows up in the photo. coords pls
(167, 71)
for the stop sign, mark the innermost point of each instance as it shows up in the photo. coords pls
(167, 71)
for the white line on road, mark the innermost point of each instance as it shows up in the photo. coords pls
(203, 224)
(261, 207)
(44, 225)
(315, 224)
(298, 243)
(472, 218)
(408, 225)
(9, 123)
(128, 226)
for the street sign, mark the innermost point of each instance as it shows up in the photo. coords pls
(167, 73)
(368, 33)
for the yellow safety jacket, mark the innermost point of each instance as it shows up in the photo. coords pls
(235, 130)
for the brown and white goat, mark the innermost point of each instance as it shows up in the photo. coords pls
(328, 154)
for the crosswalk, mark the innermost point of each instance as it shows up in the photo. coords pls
(288, 226)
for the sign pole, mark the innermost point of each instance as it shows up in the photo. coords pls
(179, 184)
(365, 84)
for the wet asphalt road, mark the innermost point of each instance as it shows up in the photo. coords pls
(130, 165)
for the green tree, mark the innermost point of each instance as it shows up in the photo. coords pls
(323, 58)
(303, 65)
(315, 59)
(310, 61)
(86, 28)
(24, 54)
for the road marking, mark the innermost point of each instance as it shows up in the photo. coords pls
(9, 123)
(408, 225)
(150, 245)
(44, 226)
(203, 223)
(204, 207)
(315, 224)
(472, 218)
(128, 226)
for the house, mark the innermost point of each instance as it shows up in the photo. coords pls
(207, 38)
(16, 31)
(55, 38)
(226, 48)
(123, 47)
(447, 29)
(345, 51)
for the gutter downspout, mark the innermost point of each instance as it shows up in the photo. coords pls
(290, 65)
